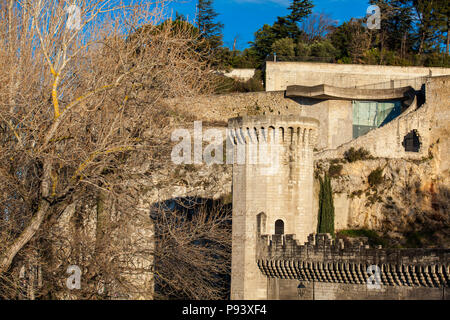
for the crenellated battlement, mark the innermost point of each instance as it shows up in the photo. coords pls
(278, 130)
(325, 260)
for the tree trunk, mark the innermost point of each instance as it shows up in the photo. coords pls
(36, 221)
(102, 219)
(25, 236)
(448, 40)
(422, 39)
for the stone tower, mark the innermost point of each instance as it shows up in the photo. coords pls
(272, 190)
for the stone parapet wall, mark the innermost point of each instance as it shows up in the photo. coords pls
(285, 129)
(241, 74)
(324, 260)
(335, 116)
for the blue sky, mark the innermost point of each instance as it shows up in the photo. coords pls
(243, 17)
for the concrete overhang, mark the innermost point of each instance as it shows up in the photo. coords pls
(327, 92)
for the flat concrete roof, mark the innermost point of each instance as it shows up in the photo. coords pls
(327, 92)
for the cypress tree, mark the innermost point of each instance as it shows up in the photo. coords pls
(325, 221)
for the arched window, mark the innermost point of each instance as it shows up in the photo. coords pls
(279, 227)
(261, 223)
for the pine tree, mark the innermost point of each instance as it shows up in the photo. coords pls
(442, 14)
(325, 223)
(209, 29)
(299, 10)
(427, 25)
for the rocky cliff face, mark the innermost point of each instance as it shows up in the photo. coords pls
(408, 203)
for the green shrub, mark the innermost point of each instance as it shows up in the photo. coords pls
(352, 155)
(345, 60)
(284, 47)
(335, 170)
(376, 177)
(323, 49)
(303, 50)
(374, 239)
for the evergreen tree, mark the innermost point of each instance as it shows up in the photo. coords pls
(209, 29)
(325, 223)
(268, 35)
(285, 28)
(284, 47)
(396, 25)
(264, 38)
(442, 12)
(299, 10)
(427, 25)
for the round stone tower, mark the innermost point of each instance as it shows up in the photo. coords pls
(272, 190)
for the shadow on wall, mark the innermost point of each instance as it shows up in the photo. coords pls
(304, 101)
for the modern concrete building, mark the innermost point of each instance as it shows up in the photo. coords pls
(280, 75)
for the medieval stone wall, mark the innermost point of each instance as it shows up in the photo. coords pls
(325, 269)
(335, 116)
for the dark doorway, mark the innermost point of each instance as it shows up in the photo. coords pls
(411, 142)
(279, 227)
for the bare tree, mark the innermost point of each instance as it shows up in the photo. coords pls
(80, 108)
(193, 250)
(360, 41)
(317, 25)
